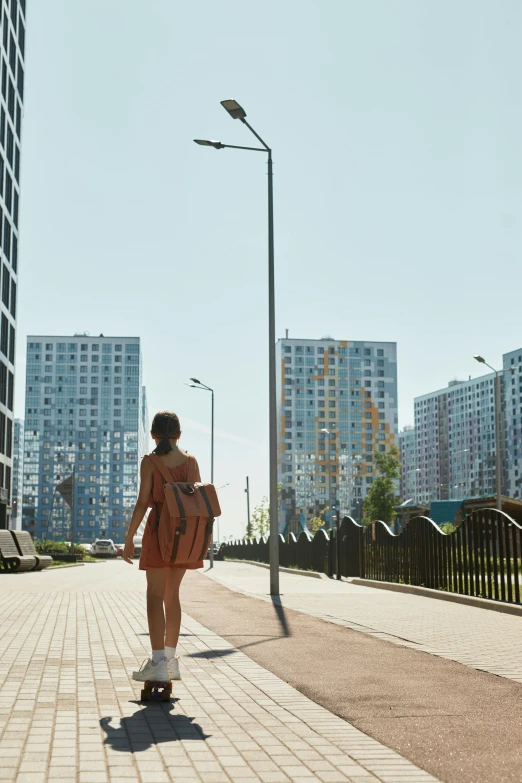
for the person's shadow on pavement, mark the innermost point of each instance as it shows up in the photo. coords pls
(151, 725)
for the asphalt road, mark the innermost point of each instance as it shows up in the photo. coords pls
(459, 724)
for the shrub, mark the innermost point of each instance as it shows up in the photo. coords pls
(56, 548)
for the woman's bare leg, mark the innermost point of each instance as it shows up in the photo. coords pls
(172, 605)
(156, 580)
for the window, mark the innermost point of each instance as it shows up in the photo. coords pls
(4, 335)
(9, 438)
(6, 242)
(12, 46)
(5, 285)
(8, 195)
(4, 72)
(20, 81)
(11, 100)
(13, 298)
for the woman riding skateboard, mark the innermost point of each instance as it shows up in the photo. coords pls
(163, 579)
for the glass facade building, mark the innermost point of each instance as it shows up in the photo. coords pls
(84, 411)
(337, 405)
(12, 38)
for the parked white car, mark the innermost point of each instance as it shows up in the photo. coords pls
(104, 547)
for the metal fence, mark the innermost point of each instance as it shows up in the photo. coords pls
(483, 557)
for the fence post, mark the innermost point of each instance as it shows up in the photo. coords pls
(338, 543)
(331, 551)
(362, 564)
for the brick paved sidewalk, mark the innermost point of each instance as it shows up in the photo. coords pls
(69, 711)
(485, 640)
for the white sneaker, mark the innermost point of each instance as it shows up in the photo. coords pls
(152, 671)
(173, 666)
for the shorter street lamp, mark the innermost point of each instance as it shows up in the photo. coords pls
(327, 433)
(335, 523)
(498, 416)
(198, 385)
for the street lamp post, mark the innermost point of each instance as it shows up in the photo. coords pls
(198, 385)
(498, 419)
(354, 470)
(238, 113)
(327, 432)
(247, 490)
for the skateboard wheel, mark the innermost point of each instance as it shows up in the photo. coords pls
(145, 694)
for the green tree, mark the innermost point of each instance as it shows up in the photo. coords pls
(448, 527)
(381, 499)
(260, 517)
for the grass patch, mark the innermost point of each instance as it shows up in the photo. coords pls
(87, 559)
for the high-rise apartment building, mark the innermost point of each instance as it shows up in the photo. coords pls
(455, 441)
(337, 405)
(84, 412)
(18, 467)
(407, 448)
(12, 38)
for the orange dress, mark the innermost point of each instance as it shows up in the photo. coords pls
(150, 552)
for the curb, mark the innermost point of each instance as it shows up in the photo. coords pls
(73, 565)
(428, 592)
(314, 574)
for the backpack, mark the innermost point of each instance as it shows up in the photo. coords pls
(187, 517)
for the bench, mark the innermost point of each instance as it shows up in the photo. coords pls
(25, 546)
(10, 558)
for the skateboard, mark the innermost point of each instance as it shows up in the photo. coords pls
(157, 690)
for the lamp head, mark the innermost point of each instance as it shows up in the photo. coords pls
(234, 109)
(480, 359)
(195, 380)
(208, 143)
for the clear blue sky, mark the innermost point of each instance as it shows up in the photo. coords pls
(396, 128)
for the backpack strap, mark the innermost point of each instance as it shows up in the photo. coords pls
(182, 529)
(159, 465)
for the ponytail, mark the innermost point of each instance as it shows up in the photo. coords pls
(164, 446)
